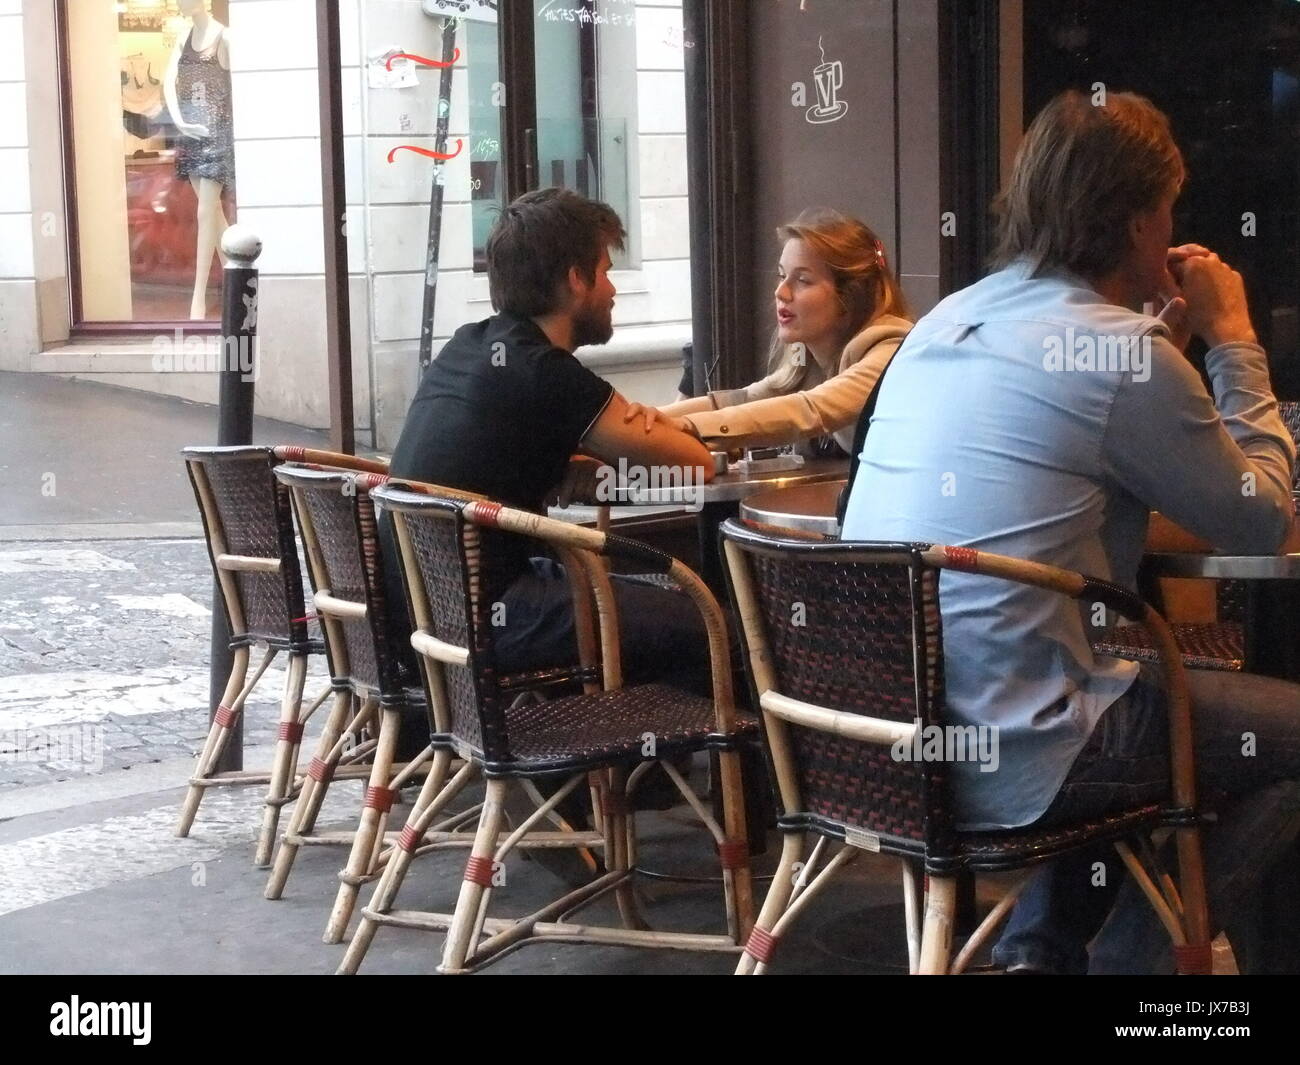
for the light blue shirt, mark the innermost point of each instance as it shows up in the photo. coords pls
(1030, 417)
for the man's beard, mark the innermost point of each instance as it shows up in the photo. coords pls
(593, 326)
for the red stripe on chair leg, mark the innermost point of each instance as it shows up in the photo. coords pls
(479, 871)
(409, 839)
(734, 853)
(320, 771)
(1194, 960)
(482, 512)
(761, 945)
(966, 558)
(290, 452)
(225, 717)
(291, 731)
(380, 799)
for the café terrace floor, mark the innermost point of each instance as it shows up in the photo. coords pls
(104, 618)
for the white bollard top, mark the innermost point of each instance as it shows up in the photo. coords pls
(241, 246)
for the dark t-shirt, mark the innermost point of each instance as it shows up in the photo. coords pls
(499, 412)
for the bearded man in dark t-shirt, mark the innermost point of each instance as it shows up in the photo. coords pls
(505, 406)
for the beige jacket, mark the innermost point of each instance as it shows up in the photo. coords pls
(758, 415)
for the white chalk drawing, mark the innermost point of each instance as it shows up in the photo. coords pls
(828, 78)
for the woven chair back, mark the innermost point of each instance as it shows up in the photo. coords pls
(448, 579)
(337, 518)
(852, 628)
(246, 513)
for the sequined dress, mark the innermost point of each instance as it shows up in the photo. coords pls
(203, 94)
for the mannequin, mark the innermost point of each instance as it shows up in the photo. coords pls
(197, 90)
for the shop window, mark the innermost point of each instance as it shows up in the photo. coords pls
(152, 167)
(586, 96)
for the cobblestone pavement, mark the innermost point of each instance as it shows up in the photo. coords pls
(104, 659)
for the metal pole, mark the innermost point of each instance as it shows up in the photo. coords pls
(435, 197)
(338, 311)
(699, 183)
(236, 376)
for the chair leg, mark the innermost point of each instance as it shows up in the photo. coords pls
(194, 796)
(379, 799)
(936, 936)
(313, 792)
(1186, 919)
(1196, 957)
(760, 945)
(478, 878)
(619, 829)
(738, 883)
(912, 913)
(286, 747)
(403, 854)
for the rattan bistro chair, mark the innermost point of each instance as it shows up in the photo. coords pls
(248, 524)
(337, 520)
(844, 645)
(597, 738)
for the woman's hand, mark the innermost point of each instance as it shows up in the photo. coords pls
(654, 414)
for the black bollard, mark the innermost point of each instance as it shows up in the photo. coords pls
(237, 374)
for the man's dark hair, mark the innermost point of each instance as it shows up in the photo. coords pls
(537, 239)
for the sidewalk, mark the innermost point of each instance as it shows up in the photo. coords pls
(80, 460)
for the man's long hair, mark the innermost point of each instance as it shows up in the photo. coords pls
(1082, 172)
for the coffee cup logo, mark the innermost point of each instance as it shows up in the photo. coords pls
(828, 77)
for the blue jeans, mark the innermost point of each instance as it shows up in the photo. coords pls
(661, 636)
(1247, 742)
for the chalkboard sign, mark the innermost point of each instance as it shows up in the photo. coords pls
(822, 93)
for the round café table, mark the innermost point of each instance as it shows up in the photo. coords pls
(807, 508)
(718, 500)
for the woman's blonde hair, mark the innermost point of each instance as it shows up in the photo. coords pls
(1082, 172)
(865, 284)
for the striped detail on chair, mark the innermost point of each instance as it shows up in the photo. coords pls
(380, 799)
(964, 558)
(734, 853)
(225, 717)
(479, 871)
(761, 945)
(483, 512)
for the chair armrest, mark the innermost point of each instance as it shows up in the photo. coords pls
(1129, 605)
(334, 460)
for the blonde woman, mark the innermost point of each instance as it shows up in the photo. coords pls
(840, 316)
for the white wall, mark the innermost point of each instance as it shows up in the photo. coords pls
(17, 252)
(278, 189)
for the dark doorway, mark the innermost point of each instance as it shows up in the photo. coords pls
(1228, 76)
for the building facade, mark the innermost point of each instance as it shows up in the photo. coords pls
(132, 132)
